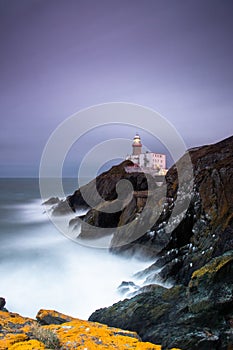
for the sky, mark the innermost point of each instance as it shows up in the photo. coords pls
(58, 57)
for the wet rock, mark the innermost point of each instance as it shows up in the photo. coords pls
(51, 201)
(147, 288)
(127, 287)
(147, 313)
(62, 208)
(198, 316)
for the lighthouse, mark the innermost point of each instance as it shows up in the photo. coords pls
(148, 162)
(137, 145)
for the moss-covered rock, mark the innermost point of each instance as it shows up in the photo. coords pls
(210, 290)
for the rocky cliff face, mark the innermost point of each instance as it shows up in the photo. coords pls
(104, 200)
(206, 229)
(196, 256)
(190, 237)
(202, 209)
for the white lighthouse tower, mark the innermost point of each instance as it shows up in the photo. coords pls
(137, 145)
(148, 162)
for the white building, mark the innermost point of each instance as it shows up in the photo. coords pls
(148, 162)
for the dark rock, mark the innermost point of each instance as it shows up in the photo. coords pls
(147, 288)
(51, 201)
(47, 317)
(147, 313)
(127, 287)
(104, 187)
(116, 206)
(211, 287)
(76, 222)
(2, 303)
(62, 208)
(192, 317)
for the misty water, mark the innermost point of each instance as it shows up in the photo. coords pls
(41, 268)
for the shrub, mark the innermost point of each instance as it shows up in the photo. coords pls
(46, 336)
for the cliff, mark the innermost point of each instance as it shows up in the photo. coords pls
(190, 238)
(202, 209)
(206, 229)
(104, 186)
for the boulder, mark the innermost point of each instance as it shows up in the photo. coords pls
(46, 317)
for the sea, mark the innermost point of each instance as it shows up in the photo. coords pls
(42, 268)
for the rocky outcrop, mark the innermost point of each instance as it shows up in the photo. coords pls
(107, 199)
(20, 333)
(206, 229)
(104, 187)
(199, 316)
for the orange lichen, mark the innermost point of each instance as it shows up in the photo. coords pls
(17, 334)
(28, 345)
(212, 267)
(14, 329)
(51, 313)
(13, 319)
(95, 336)
(11, 339)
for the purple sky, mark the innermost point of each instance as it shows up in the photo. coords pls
(59, 56)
